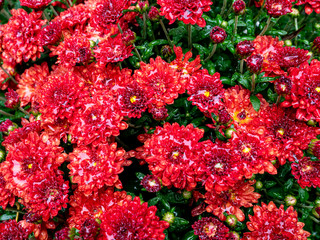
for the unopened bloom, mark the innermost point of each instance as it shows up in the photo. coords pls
(218, 35)
(239, 7)
(209, 228)
(13, 100)
(244, 49)
(254, 63)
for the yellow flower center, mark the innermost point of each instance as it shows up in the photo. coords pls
(246, 150)
(133, 99)
(218, 166)
(283, 87)
(307, 168)
(206, 93)
(94, 117)
(30, 165)
(281, 131)
(94, 164)
(210, 229)
(175, 155)
(318, 89)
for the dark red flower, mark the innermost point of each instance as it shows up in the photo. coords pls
(206, 91)
(151, 183)
(13, 100)
(291, 57)
(209, 228)
(188, 11)
(314, 148)
(63, 234)
(316, 44)
(154, 14)
(50, 34)
(133, 221)
(239, 7)
(244, 49)
(159, 113)
(89, 229)
(47, 193)
(60, 95)
(12, 230)
(35, 4)
(306, 172)
(218, 34)
(254, 63)
(269, 222)
(7, 126)
(6, 196)
(20, 35)
(92, 168)
(173, 155)
(310, 5)
(278, 8)
(230, 201)
(283, 86)
(112, 49)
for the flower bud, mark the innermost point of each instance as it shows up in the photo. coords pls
(159, 113)
(186, 194)
(13, 100)
(2, 155)
(317, 26)
(128, 37)
(223, 117)
(283, 86)
(312, 122)
(259, 185)
(234, 235)
(314, 148)
(224, 24)
(316, 45)
(218, 35)
(239, 7)
(142, 6)
(244, 49)
(228, 133)
(64, 234)
(169, 217)
(288, 43)
(154, 14)
(295, 13)
(166, 51)
(7, 126)
(254, 63)
(290, 200)
(231, 220)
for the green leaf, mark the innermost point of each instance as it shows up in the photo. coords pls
(269, 184)
(158, 42)
(255, 102)
(288, 185)
(303, 195)
(7, 216)
(153, 201)
(260, 87)
(140, 175)
(178, 33)
(180, 221)
(245, 80)
(190, 236)
(276, 193)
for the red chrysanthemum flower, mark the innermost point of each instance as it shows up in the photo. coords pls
(269, 222)
(209, 228)
(108, 11)
(305, 93)
(20, 35)
(218, 35)
(7, 126)
(314, 148)
(283, 86)
(230, 201)
(35, 4)
(92, 168)
(158, 113)
(161, 79)
(206, 91)
(254, 63)
(173, 155)
(73, 50)
(133, 221)
(46, 194)
(306, 172)
(29, 157)
(94, 206)
(268, 48)
(188, 11)
(30, 80)
(220, 167)
(50, 34)
(310, 5)
(60, 95)
(151, 183)
(89, 229)
(96, 120)
(278, 8)
(255, 152)
(291, 57)
(154, 14)
(13, 100)
(63, 234)
(239, 7)
(6, 196)
(12, 230)
(111, 50)
(245, 49)
(133, 100)
(76, 15)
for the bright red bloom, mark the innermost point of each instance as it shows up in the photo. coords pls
(283, 86)
(314, 148)
(47, 194)
(35, 4)
(188, 11)
(111, 50)
(74, 16)
(206, 91)
(133, 221)
(161, 79)
(173, 155)
(306, 172)
(305, 93)
(60, 95)
(133, 100)
(20, 35)
(291, 57)
(63, 234)
(230, 201)
(269, 222)
(89, 229)
(209, 228)
(30, 80)
(12, 230)
(73, 50)
(92, 168)
(220, 167)
(151, 183)
(6, 196)
(218, 35)
(277, 8)
(27, 159)
(310, 5)
(50, 34)
(268, 48)
(13, 100)
(97, 119)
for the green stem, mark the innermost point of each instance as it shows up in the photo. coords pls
(6, 114)
(9, 209)
(13, 80)
(261, 10)
(235, 27)
(223, 7)
(3, 99)
(24, 111)
(166, 33)
(53, 10)
(253, 82)
(266, 26)
(189, 27)
(296, 27)
(144, 33)
(314, 219)
(241, 65)
(278, 99)
(212, 52)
